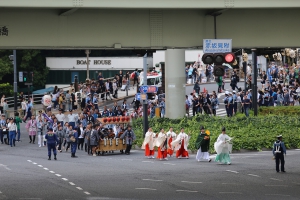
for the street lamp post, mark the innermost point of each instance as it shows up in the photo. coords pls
(87, 52)
(13, 58)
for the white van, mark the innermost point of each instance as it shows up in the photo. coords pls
(154, 80)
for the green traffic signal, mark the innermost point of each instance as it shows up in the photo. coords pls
(24, 79)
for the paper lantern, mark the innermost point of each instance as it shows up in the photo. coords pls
(104, 119)
(114, 119)
(118, 119)
(108, 119)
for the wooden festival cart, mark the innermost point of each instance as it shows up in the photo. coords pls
(109, 143)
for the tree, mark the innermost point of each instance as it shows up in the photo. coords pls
(34, 61)
(6, 66)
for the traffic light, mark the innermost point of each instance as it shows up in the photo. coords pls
(25, 77)
(208, 58)
(218, 59)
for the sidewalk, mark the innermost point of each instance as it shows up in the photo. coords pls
(121, 96)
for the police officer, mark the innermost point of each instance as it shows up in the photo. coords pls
(51, 143)
(234, 101)
(278, 151)
(74, 134)
(230, 105)
(226, 103)
(95, 101)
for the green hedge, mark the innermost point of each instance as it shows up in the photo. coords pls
(7, 89)
(252, 133)
(279, 110)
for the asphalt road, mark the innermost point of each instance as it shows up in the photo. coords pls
(25, 173)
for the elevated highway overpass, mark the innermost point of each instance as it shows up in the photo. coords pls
(144, 24)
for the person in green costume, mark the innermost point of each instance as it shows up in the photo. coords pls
(202, 144)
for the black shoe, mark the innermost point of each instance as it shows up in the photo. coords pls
(49, 158)
(277, 171)
(283, 171)
(30, 141)
(55, 158)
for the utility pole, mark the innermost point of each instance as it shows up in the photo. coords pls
(87, 52)
(254, 61)
(13, 59)
(145, 102)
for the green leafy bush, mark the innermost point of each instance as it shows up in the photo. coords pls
(252, 133)
(7, 89)
(279, 110)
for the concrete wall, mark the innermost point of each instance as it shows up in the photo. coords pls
(144, 28)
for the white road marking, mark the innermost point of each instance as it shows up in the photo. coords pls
(46, 169)
(29, 160)
(296, 183)
(148, 161)
(232, 184)
(71, 183)
(190, 182)
(30, 198)
(52, 172)
(40, 165)
(283, 195)
(145, 189)
(126, 159)
(232, 171)
(276, 185)
(5, 167)
(169, 164)
(64, 179)
(57, 174)
(151, 180)
(34, 163)
(87, 193)
(79, 188)
(185, 191)
(230, 192)
(253, 175)
(275, 179)
(0, 192)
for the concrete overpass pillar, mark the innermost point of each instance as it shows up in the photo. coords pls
(175, 83)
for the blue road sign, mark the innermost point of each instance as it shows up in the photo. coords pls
(138, 96)
(148, 89)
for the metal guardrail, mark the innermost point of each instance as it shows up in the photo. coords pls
(37, 98)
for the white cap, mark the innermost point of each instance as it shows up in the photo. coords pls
(233, 91)
(226, 92)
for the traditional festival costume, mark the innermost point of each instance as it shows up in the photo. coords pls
(181, 143)
(223, 147)
(32, 129)
(161, 143)
(202, 144)
(148, 144)
(171, 137)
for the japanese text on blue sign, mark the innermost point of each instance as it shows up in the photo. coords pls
(217, 45)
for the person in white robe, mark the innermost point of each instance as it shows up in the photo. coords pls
(171, 136)
(149, 143)
(161, 143)
(181, 143)
(223, 147)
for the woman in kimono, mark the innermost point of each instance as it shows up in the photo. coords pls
(31, 127)
(171, 137)
(148, 143)
(181, 143)
(161, 143)
(223, 147)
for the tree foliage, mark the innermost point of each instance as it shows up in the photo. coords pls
(6, 66)
(34, 61)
